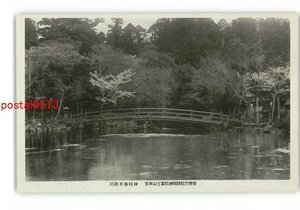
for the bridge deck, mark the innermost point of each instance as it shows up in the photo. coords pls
(153, 114)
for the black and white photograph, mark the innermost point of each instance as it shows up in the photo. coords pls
(157, 101)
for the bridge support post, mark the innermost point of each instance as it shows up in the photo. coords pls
(256, 110)
(80, 125)
(95, 125)
(225, 124)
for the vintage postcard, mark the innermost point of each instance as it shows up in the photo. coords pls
(193, 102)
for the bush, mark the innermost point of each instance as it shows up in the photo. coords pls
(282, 124)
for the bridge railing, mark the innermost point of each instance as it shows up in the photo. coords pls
(152, 113)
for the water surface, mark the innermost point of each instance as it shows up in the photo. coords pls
(94, 155)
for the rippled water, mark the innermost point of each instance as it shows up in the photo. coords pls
(92, 155)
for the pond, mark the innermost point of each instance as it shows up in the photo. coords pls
(171, 154)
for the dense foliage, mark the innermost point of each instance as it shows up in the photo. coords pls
(192, 63)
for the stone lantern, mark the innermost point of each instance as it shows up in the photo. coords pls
(66, 112)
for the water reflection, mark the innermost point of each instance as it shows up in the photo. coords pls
(92, 155)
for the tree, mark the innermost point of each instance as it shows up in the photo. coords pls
(154, 79)
(275, 40)
(182, 76)
(224, 27)
(186, 39)
(77, 29)
(109, 60)
(51, 70)
(31, 36)
(101, 37)
(242, 49)
(241, 86)
(133, 39)
(190, 63)
(114, 33)
(210, 86)
(109, 86)
(275, 81)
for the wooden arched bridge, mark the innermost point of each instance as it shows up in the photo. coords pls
(163, 114)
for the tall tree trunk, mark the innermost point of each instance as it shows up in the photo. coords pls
(273, 107)
(60, 104)
(101, 108)
(256, 110)
(239, 107)
(278, 114)
(234, 111)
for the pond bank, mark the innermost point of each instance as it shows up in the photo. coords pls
(45, 126)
